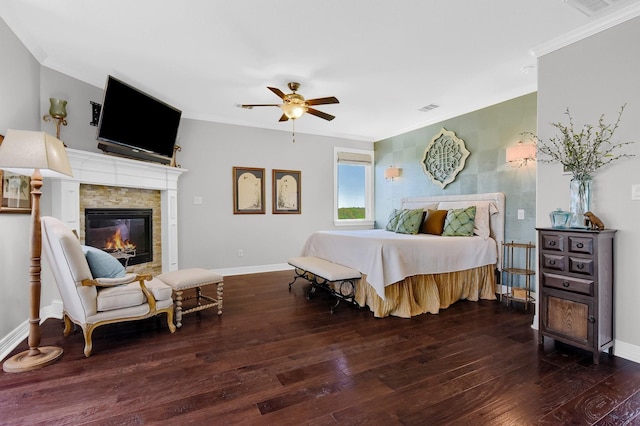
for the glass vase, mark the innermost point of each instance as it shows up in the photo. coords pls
(580, 201)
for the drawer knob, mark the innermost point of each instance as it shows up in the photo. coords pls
(579, 245)
(591, 319)
(580, 265)
(552, 243)
(565, 284)
(552, 262)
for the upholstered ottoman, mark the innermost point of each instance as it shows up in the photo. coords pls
(197, 278)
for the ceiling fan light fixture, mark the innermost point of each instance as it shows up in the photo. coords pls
(293, 111)
(295, 106)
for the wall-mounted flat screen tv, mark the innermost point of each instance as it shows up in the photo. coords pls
(134, 119)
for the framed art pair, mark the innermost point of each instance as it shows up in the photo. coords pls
(249, 191)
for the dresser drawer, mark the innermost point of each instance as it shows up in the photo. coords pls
(553, 242)
(575, 285)
(581, 265)
(581, 245)
(553, 261)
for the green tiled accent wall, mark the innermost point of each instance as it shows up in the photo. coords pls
(487, 133)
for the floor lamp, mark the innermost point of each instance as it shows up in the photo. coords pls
(34, 154)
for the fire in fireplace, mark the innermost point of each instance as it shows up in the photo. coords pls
(126, 234)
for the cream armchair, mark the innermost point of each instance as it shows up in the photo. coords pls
(92, 302)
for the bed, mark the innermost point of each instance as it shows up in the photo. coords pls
(406, 275)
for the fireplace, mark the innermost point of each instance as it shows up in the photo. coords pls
(126, 234)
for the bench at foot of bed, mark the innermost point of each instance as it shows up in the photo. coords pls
(338, 279)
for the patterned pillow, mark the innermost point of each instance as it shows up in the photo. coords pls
(394, 217)
(484, 211)
(459, 222)
(410, 221)
(435, 222)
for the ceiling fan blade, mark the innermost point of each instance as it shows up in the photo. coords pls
(277, 92)
(320, 114)
(284, 117)
(323, 101)
(249, 106)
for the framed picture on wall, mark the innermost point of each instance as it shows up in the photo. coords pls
(287, 186)
(15, 192)
(248, 190)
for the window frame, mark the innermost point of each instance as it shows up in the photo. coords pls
(369, 219)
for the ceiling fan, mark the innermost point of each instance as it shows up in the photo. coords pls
(294, 105)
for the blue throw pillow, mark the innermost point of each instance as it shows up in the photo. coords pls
(102, 264)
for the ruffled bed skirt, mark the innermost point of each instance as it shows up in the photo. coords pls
(428, 293)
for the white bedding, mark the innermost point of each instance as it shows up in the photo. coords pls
(387, 257)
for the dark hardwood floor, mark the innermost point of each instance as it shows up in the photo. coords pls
(275, 357)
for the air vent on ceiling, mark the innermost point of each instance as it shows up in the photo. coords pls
(592, 7)
(428, 107)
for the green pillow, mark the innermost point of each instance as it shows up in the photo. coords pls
(394, 217)
(102, 264)
(410, 221)
(459, 222)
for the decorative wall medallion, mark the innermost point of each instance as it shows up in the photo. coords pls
(444, 157)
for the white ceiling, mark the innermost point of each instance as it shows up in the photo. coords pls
(383, 59)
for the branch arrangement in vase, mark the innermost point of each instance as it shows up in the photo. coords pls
(583, 152)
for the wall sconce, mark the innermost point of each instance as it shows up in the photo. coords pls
(518, 155)
(58, 112)
(391, 172)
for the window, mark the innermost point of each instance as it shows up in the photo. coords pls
(353, 191)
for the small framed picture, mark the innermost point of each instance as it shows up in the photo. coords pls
(248, 190)
(286, 191)
(15, 191)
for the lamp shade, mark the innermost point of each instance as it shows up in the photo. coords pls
(24, 151)
(521, 153)
(391, 172)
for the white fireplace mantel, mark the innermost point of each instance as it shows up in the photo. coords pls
(102, 169)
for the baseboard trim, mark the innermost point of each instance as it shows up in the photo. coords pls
(243, 270)
(9, 342)
(626, 351)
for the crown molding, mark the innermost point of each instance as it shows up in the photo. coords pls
(599, 25)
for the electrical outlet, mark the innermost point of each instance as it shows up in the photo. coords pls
(520, 214)
(240, 253)
(197, 200)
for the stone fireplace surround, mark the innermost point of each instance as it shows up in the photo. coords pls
(102, 169)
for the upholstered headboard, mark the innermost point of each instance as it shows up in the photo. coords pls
(496, 221)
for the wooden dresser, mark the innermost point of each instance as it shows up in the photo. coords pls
(576, 287)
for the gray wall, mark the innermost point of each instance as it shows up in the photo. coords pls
(19, 86)
(209, 152)
(78, 133)
(592, 77)
(486, 133)
(210, 235)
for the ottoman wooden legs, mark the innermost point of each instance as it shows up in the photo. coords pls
(199, 298)
(195, 278)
